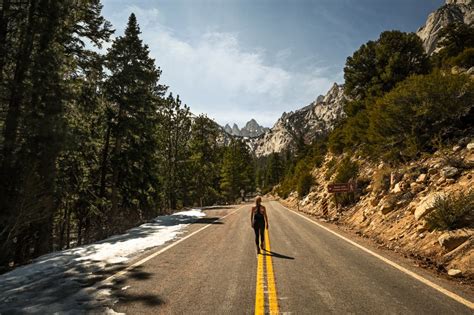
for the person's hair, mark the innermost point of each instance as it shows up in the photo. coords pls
(258, 200)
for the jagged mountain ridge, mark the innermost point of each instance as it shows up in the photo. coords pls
(307, 123)
(251, 129)
(453, 11)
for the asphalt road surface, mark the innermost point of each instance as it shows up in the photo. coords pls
(306, 269)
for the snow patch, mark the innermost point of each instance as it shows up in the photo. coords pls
(56, 282)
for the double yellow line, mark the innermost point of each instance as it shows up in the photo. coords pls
(271, 287)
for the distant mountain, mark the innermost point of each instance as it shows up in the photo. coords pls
(251, 129)
(461, 11)
(307, 123)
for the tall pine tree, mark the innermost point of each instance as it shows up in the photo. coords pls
(135, 97)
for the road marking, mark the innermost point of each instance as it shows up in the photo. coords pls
(272, 293)
(259, 297)
(433, 285)
(142, 261)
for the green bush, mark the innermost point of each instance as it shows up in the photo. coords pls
(464, 59)
(304, 184)
(452, 211)
(346, 170)
(404, 122)
(331, 169)
(381, 179)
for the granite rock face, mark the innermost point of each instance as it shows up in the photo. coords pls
(307, 123)
(454, 11)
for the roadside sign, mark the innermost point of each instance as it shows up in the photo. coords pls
(341, 187)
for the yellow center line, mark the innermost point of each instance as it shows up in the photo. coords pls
(259, 297)
(272, 293)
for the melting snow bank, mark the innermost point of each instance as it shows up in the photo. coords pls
(61, 282)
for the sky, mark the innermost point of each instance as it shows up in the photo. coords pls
(240, 59)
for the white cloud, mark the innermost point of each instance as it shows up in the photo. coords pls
(214, 74)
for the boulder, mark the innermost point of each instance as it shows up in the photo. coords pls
(422, 178)
(426, 205)
(387, 206)
(452, 239)
(440, 181)
(400, 187)
(449, 171)
(470, 146)
(470, 71)
(397, 188)
(374, 202)
(416, 188)
(456, 148)
(469, 159)
(454, 273)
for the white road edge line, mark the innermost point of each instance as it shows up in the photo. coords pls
(142, 261)
(446, 292)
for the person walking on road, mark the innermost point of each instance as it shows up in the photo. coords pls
(259, 222)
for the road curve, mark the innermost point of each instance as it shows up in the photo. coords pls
(308, 270)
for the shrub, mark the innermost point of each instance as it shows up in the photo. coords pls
(331, 169)
(405, 121)
(382, 179)
(304, 184)
(464, 59)
(346, 170)
(452, 211)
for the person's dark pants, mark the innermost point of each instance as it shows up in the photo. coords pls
(259, 229)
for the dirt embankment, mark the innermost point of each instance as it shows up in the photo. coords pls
(393, 204)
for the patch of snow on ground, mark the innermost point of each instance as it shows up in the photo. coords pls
(55, 282)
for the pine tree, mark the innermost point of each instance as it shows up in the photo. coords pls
(204, 160)
(237, 171)
(174, 135)
(44, 44)
(133, 90)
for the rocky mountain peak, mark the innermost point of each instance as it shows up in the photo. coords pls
(454, 11)
(458, 1)
(236, 130)
(251, 129)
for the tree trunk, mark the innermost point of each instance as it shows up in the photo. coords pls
(103, 166)
(3, 35)
(47, 102)
(17, 93)
(68, 229)
(8, 186)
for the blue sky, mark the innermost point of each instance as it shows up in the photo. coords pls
(240, 59)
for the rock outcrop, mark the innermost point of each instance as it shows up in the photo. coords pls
(304, 124)
(460, 11)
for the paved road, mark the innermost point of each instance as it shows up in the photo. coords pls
(308, 270)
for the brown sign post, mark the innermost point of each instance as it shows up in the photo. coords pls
(341, 187)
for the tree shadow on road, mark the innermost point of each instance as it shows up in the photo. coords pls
(277, 255)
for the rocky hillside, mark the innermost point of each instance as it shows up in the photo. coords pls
(251, 129)
(393, 205)
(461, 11)
(307, 123)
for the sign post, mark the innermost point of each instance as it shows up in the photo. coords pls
(341, 187)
